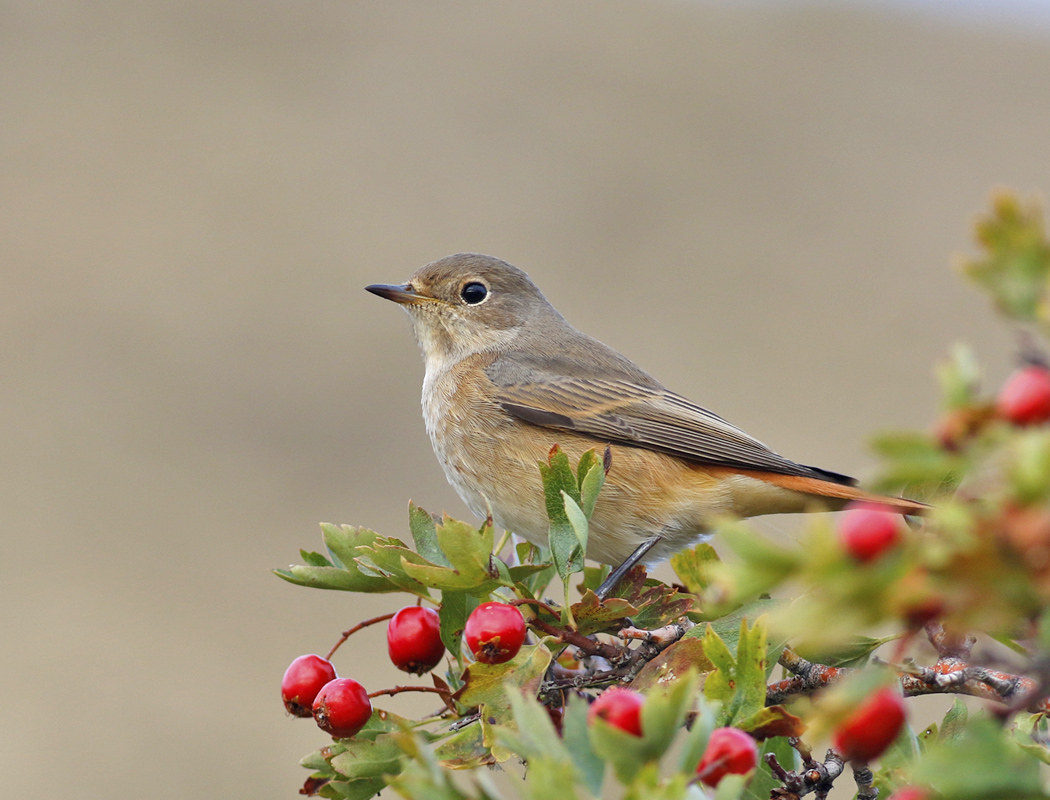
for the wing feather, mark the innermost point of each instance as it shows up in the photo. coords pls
(628, 412)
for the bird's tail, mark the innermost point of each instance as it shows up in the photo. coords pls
(839, 492)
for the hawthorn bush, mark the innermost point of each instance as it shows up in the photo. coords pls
(777, 644)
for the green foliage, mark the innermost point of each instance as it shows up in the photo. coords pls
(704, 652)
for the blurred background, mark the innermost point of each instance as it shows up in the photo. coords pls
(757, 202)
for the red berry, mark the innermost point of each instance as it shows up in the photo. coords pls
(1025, 398)
(867, 531)
(495, 632)
(621, 708)
(910, 793)
(413, 640)
(729, 751)
(342, 707)
(302, 681)
(871, 727)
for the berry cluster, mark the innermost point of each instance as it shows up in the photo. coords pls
(494, 633)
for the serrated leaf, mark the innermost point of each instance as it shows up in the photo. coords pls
(368, 759)
(739, 682)
(446, 579)
(334, 578)
(383, 558)
(659, 605)
(693, 566)
(424, 535)
(484, 683)
(563, 540)
(469, 549)
(592, 615)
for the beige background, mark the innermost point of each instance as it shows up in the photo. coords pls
(759, 206)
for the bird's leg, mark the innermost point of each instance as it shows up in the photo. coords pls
(614, 577)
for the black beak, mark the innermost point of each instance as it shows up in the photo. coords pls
(404, 295)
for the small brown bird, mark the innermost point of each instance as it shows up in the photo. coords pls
(507, 377)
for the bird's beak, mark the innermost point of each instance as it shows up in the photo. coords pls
(405, 295)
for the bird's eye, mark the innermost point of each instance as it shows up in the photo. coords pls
(473, 293)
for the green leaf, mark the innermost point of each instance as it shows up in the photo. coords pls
(465, 749)
(739, 682)
(954, 723)
(696, 741)
(450, 580)
(313, 559)
(590, 474)
(1031, 733)
(558, 477)
(917, 463)
(369, 759)
(1015, 265)
(578, 521)
(693, 567)
(484, 683)
(424, 535)
(320, 573)
(983, 762)
(854, 652)
(648, 785)
(530, 733)
(353, 790)
(549, 778)
(762, 781)
(530, 557)
(960, 378)
(384, 557)
(589, 767)
(469, 549)
(452, 616)
(334, 578)
(764, 564)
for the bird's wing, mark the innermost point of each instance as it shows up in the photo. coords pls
(626, 412)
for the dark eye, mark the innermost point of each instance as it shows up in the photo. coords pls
(473, 293)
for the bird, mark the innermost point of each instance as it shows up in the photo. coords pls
(507, 377)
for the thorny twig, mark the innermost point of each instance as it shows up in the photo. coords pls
(817, 777)
(950, 674)
(609, 663)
